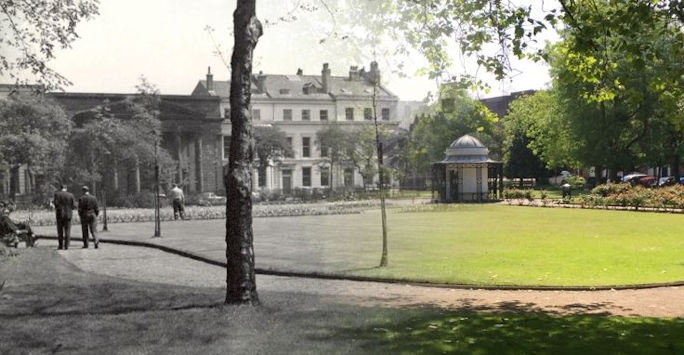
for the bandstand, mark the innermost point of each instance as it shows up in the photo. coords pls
(467, 174)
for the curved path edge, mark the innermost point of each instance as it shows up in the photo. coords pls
(314, 275)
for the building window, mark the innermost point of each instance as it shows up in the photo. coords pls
(284, 91)
(289, 154)
(306, 147)
(287, 114)
(226, 147)
(324, 150)
(226, 113)
(385, 114)
(324, 115)
(325, 176)
(349, 113)
(349, 177)
(306, 115)
(367, 113)
(306, 176)
(256, 114)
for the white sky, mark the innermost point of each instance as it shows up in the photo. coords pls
(165, 41)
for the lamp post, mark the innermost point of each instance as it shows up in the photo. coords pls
(157, 222)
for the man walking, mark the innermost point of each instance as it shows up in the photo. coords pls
(88, 212)
(177, 200)
(64, 204)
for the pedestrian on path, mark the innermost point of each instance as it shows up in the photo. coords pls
(64, 205)
(88, 211)
(177, 200)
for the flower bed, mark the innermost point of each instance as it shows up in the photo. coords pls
(621, 196)
(128, 215)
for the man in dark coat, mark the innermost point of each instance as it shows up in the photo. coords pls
(64, 204)
(88, 212)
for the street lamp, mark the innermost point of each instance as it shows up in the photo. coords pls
(157, 222)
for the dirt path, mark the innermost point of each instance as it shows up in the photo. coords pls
(149, 265)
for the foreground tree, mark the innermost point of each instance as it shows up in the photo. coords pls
(29, 33)
(240, 278)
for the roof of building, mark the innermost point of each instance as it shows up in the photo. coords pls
(466, 141)
(298, 86)
(467, 149)
(499, 104)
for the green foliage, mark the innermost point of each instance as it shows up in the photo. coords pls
(535, 122)
(456, 114)
(576, 182)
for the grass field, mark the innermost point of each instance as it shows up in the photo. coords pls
(494, 244)
(466, 244)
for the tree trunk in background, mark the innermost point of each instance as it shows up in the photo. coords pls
(240, 279)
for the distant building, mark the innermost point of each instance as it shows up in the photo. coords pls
(300, 105)
(196, 128)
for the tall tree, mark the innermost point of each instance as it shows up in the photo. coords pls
(240, 278)
(454, 115)
(33, 131)
(30, 31)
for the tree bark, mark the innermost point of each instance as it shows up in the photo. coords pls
(240, 279)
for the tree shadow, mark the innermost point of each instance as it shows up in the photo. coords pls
(512, 327)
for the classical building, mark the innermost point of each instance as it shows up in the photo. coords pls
(196, 129)
(300, 105)
(467, 173)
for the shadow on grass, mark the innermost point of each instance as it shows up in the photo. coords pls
(468, 331)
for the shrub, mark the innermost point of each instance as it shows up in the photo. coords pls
(575, 182)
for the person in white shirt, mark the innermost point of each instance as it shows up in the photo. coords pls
(177, 200)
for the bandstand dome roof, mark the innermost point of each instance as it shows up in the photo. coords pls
(467, 149)
(466, 141)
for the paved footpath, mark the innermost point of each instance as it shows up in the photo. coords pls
(150, 265)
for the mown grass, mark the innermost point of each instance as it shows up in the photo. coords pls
(508, 245)
(465, 244)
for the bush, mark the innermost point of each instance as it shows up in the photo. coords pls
(575, 182)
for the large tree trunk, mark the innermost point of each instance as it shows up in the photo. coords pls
(240, 280)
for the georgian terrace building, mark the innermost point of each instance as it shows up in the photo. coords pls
(196, 129)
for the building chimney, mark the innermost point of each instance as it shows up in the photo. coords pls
(210, 80)
(300, 72)
(261, 81)
(325, 78)
(374, 74)
(353, 72)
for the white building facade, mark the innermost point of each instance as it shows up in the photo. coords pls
(300, 106)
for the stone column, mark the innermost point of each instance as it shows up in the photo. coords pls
(179, 156)
(199, 162)
(447, 182)
(478, 182)
(137, 175)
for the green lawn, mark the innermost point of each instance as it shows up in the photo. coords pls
(506, 245)
(465, 244)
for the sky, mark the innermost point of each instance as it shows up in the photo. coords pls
(166, 41)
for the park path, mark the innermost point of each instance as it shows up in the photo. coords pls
(149, 265)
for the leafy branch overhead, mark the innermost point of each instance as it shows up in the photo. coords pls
(30, 33)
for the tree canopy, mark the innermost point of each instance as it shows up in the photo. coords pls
(31, 31)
